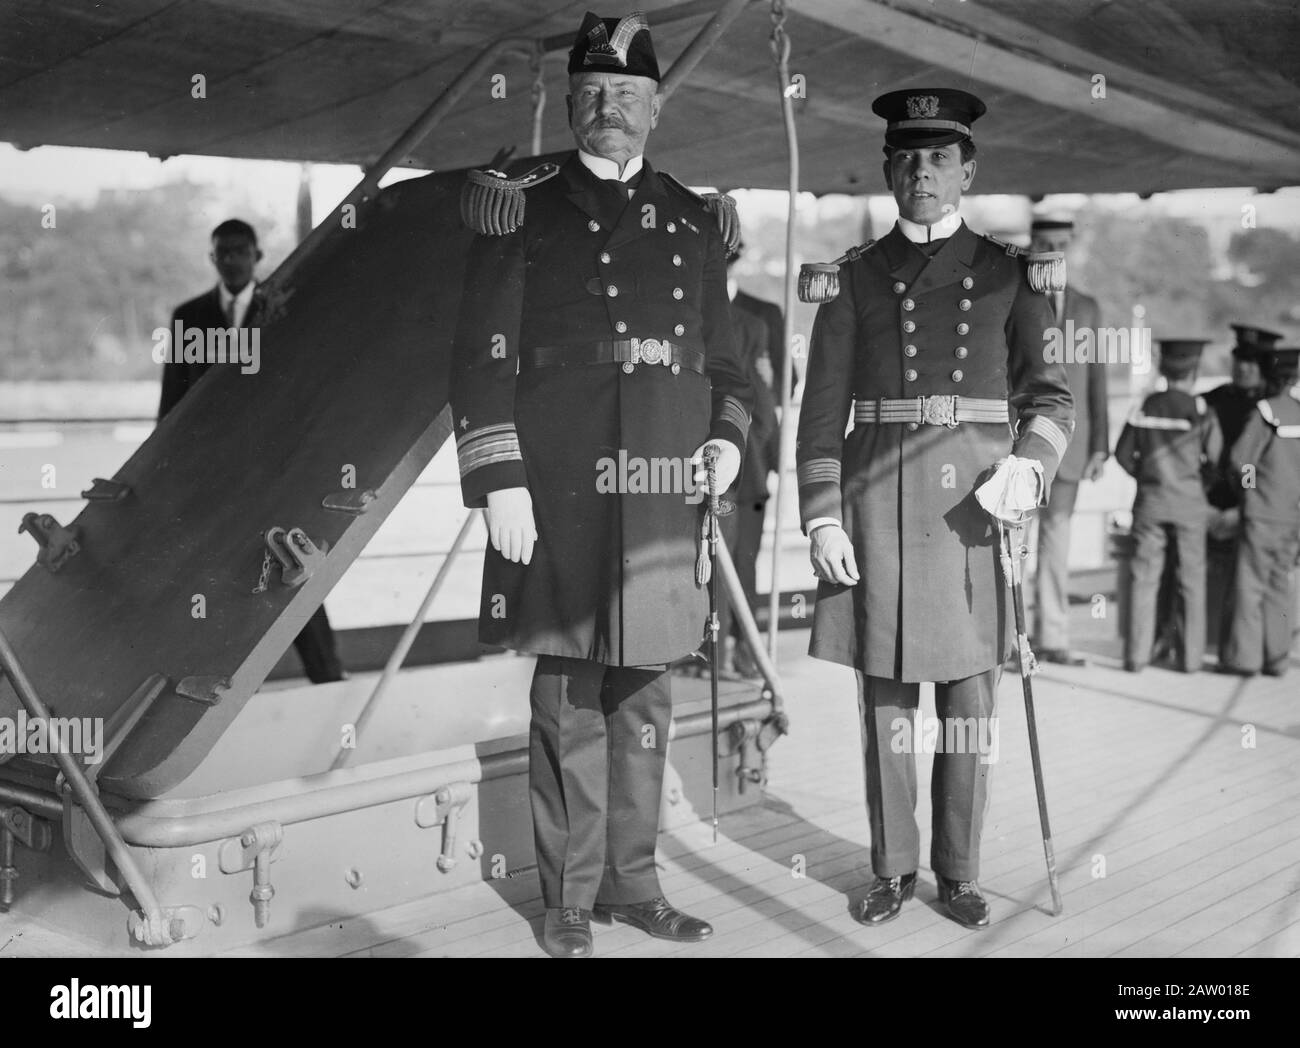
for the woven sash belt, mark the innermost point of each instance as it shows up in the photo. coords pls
(626, 351)
(932, 411)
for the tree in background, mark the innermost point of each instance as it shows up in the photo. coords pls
(82, 299)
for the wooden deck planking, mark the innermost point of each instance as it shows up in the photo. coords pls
(1200, 836)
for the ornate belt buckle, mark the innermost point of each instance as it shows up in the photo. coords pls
(653, 351)
(939, 411)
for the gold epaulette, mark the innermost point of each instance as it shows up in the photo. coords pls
(721, 206)
(493, 204)
(820, 281)
(1045, 270)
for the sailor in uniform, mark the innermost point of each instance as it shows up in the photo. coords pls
(1233, 404)
(593, 361)
(934, 348)
(1266, 461)
(1166, 446)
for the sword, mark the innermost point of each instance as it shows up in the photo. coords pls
(1028, 667)
(708, 569)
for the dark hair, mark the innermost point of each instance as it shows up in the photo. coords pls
(235, 227)
(966, 146)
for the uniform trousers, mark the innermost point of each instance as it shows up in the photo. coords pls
(315, 645)
(959, 784)
(1052, 583)
(1260, 637)
(1151, 539)
(597, 745)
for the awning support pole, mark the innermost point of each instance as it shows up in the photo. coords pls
(407, 639)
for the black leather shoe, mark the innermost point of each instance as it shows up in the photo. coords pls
(655, 918)
(567, 932)
(885, 899)
(1060, 656)
(1133, 667)
(1233, 671)
(964, 902)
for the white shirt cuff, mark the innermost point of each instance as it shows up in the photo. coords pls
(817, 522)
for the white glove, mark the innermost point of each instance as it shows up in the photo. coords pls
(725, 470)
(1014, 491)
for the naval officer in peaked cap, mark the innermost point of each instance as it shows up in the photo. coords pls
(595, 329)
(934, 349)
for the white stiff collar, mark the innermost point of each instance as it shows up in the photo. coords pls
(603, 168)
(941, 230)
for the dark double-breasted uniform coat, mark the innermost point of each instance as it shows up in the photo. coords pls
(931, 604)
(1166, 446)
(1268, 452)
(612, 577)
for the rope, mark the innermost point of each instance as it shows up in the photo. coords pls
(780, 42)
(539, 96)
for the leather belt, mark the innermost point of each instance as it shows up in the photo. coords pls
(626, 351)
(942, 410)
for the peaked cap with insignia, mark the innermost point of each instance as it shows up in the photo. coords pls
(927, 116)
(614, 45)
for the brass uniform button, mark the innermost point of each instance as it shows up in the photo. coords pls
(671, 227)
(960, 352)
(677, 369)
(620, 327)
(678, 293)
(909, 326)
(899, 288)
(963, 329)
(605, 257)
(627, 367)
(910, 350)
(957, 376)
(967, 283)
(964, 304)
(910, 375)
(680, 329)
(913, 426)
(677, 260)
(908, 304)
(594, 226)
(612, 291)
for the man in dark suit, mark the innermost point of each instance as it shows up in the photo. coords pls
(934, 349)
(233, 303)
(1084, 458)
(594, 346)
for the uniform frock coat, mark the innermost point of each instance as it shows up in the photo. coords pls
(612, 577)
(931, 604)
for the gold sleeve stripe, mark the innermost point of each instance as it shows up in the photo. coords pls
(1050, 432)
(819, 471)
(732, 412)
(486, 446)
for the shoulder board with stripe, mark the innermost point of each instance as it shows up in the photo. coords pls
(721, 206)
(855, 253)
(1140, 420)
(1010, 249)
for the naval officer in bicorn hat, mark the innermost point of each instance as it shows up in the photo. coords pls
(934, 349)
(595, 330)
